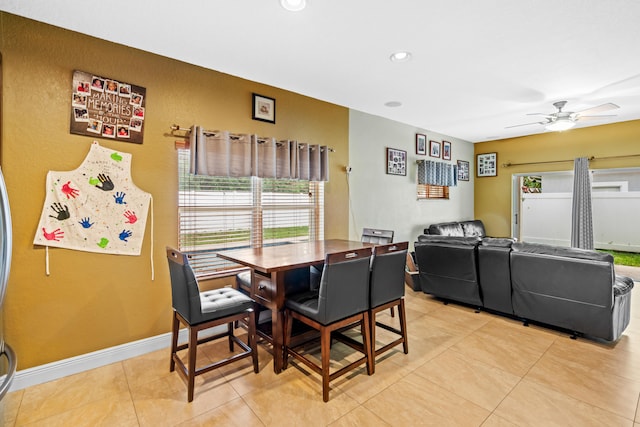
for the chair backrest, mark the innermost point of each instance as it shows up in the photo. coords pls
(344, 286)
(387, 273)
(185, 293)
(372, 235)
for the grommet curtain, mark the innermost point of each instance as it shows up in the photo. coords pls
(220, 153)
(581, 211)
(437, 173)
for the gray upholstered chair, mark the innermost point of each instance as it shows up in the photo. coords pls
(341, 300)
(387, 291)
(372, 235)
(203, 310)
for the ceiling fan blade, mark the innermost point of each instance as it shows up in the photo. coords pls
(539, 114)
(586, 118)
(599, 109)
(525, 124)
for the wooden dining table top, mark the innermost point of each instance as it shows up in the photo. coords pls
(288, 256)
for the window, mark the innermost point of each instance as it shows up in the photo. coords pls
(426, 191)
(218, 213)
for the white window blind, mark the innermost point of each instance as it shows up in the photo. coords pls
(219, 213)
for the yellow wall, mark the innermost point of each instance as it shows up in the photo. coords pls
(92, 301)
(493, 194)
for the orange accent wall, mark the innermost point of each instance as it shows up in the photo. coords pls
(493, 194)
(92, 301)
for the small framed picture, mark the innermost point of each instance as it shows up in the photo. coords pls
(487, 164)
(264, 108)
(463, 170)
(421, 144)
(434, 149)
(396, 162)
(446, 150)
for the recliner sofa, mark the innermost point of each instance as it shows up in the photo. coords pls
(573, 289)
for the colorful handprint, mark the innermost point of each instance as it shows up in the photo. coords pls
(103, 242)
(131, 217)
(62, 212)
(107, 184)
(125, 235)
(54, 235)
(86, 223)
(68, 191)
(115, 156)
(119, 196)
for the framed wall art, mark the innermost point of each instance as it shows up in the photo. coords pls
(446, 150)
(463, 170)
(396, 162)
(487, 164)
(434, 149)
(264, 108)
(421, 144)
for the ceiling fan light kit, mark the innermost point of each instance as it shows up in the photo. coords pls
(563, 120)
(560, 125)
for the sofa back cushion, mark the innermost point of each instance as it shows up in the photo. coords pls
(473, 228)
(446, 229)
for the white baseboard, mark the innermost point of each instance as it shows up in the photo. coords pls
(62, 368)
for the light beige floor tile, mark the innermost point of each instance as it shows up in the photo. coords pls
(362, 387)
(51, 398)
(359, 417)
(534, 405)
(105, 412)
(147, 367)
(456, 319)
(610, 392)
(10, 406)
(296, 400)
(497, 421)
(637, 417)
(232, 414)
(475, 381)
(417, 401)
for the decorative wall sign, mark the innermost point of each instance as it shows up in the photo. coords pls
(487, 164)
(396, 162)
(264, 108)
(107, 108)
(463, 170)
(421, 144)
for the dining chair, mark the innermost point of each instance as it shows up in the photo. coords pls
(204, 310)
(342, 299)
(372, 235)
(387, 291)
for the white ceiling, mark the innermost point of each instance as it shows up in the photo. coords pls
(477, 66)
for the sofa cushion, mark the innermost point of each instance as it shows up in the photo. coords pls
(498, 242)
(454, 240)
(560, 251)
(473, 228)
(623, 285)
(446, 229)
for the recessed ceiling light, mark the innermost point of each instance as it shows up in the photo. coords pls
(393, 104)
(293, 5)
(402, 56)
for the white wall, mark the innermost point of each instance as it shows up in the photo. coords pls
(389, 202)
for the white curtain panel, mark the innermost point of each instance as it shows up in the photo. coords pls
(264, 160)
(581, 212)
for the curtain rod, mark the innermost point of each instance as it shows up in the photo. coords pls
(208, 132)
(506, 165)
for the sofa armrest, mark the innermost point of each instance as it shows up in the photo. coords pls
(622, 285)
(500, 242)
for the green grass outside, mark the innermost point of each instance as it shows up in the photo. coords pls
(624, 258)
(198, 239)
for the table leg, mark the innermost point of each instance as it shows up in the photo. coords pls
(277, 330)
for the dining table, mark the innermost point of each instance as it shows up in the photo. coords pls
(269, 266)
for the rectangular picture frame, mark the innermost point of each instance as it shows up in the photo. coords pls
(396, 162)
(264, 108)
(446, 150)
(463, 170)
(421, 144)
(434, 149)
(487, 164)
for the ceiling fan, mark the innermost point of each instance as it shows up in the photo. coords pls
(563, 120)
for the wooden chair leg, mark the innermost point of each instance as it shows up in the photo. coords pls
(175, 328)
(230, 333)
(191, 369)
(288, 326)
(366, 341)
(403, 325)
(325, 345)
(252, 340)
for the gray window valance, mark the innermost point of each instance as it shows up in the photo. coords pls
(221, 153)
(437, 173)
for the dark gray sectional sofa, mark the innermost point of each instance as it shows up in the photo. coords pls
(568, 288)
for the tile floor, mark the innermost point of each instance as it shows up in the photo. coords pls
(463, 368)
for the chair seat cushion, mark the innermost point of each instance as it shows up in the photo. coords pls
(223, 302)
(305, 303)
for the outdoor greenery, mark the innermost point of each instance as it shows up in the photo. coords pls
(212, 238)
(624, 258)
